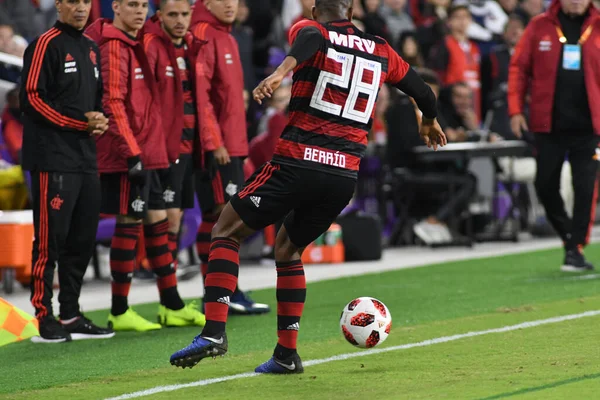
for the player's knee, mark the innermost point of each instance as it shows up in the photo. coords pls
(285, 250)
(127, 220)
(230, 225)
(174, 216)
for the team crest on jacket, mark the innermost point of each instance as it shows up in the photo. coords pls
(545, 43)
(181, 63)
(93, 57)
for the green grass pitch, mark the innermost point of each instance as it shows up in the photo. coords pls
(552, 361)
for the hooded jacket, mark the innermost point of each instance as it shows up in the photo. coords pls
(160, 51)
(223, 68)
(130, 102)
(534, 68)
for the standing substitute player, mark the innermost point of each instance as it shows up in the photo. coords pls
(338, 71)
(173, 54)
(222, 71)
(61, 98)
(130, 156)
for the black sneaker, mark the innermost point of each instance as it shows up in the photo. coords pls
(82, 328)
(291, 365)
(576, 262)
(51, 331)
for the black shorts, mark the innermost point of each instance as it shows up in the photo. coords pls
(178, 183)
(121, 197)
(309, 200)
(219, 190)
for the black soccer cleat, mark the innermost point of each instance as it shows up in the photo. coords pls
(51, 331)
(82, 329)
(576, 262)
(291, 365)
(201, 347)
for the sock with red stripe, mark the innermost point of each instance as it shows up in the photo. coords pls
(161, 262)
(221, 281)
(291, 295)
(122, 262)
(174, 247)
(203, 242)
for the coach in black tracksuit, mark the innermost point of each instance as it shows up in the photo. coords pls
(61, 101)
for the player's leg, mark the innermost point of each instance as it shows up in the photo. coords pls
(52, 209)
(584, 167)
(550, 158)
(211, 206)
(173, 181)
(266, 198)
(129, 203)
(76, 254)
(172, 310)
(226, 184)
(324, 197)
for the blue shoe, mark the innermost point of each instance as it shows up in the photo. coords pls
(291, 365)
(200, 348)
(241, 303)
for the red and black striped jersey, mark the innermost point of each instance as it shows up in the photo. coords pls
(333, 98)
(189, 106)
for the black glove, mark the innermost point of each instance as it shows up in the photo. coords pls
(136, 172)
(210, 165)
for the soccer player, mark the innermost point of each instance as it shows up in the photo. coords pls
(173, 53)
(61, 99)
(130, 157)
(211, 22)
(338, 71)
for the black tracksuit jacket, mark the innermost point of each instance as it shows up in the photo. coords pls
(61, 81)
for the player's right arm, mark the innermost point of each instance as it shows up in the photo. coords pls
(40, 67)
(305, 39)
(115, 75)
(211, 136)
(406, 79)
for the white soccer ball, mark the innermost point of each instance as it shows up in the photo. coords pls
(365, 322)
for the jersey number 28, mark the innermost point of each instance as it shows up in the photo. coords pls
(356, 84)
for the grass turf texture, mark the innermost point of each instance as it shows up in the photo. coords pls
(549, 361)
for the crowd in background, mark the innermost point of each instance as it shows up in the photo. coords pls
(461, 48)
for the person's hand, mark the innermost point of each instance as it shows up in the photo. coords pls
(97, 123)
(210, 164)
(432, 134)
(456, 135)
(518, 125)
(222, 156)
(135, 171)
(267, 87)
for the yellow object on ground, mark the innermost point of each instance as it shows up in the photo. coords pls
(15, 324)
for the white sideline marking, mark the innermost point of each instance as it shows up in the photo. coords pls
(445, 339)
(567, 278)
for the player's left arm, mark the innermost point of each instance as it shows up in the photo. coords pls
(406, 79)
(305, 44)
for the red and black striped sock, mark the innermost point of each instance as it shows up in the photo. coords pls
(122, 262)
(221, 281)
(291, 295)
(174, 247)
(161, 262)
(203, 243)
